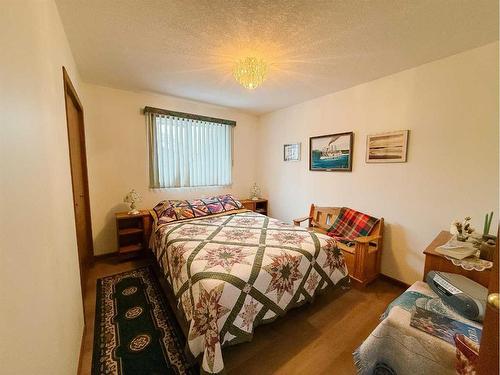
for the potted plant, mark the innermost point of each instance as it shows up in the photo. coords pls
(487, 246)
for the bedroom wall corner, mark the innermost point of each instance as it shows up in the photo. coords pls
(117, 154)
(41, 304)
(451, 108)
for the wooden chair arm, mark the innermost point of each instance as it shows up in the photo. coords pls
(367, 239)
(300, 220)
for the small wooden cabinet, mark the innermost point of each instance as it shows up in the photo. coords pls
(435, 261)
(259, 205)
(132, 231)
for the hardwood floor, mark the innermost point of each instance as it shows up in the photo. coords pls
(318, 338)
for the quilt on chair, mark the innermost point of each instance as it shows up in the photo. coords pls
(233, 272)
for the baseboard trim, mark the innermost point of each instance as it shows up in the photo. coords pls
(106, 255)
(394, 281)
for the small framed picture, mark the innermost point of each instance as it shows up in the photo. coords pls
(389, 147)
(331, 152)
(291, 152)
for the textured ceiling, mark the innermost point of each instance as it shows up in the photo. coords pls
(188, 48)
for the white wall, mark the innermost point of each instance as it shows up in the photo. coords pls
(41, 313)
(451, 109)
(117, 154)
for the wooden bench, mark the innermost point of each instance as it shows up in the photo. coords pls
(363, 256)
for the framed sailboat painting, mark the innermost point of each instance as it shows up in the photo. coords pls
(331, 152)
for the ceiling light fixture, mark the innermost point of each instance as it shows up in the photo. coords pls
(250, 72)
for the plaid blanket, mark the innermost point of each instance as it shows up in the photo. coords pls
(351, 224)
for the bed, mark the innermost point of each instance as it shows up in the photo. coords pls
(395, 347)
(229, 270)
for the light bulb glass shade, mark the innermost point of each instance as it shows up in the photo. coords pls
(250, 72)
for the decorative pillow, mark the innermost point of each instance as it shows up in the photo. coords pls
(351, 224)
(168, 211)
(467, 352)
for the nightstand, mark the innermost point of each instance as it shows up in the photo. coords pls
(259, 205)
(132, 231)
(435, 261)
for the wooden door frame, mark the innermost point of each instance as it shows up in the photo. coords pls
(488, 350)
(69, 90)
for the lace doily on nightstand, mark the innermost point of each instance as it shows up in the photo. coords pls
(471, 263)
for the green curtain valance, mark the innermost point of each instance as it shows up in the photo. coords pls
(189, 116)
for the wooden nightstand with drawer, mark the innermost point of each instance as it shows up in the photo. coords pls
(435, 261)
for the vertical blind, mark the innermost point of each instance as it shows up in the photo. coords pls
(187, 152)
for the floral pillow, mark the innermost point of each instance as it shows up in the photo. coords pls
(467, 353)
(168, 211)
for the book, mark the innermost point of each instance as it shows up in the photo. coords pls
(442, 326)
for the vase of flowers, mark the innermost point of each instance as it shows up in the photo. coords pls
(132, 198)
(463, 229)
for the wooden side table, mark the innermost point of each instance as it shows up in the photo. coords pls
(132, 231)
(437, 262)
(259, 205)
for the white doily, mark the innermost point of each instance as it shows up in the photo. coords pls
(471, 263)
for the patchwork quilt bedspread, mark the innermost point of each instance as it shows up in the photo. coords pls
(233, 272)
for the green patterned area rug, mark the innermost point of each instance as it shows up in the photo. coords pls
(135, 331)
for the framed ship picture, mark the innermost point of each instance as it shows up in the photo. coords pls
(387, 147)
(331, 152)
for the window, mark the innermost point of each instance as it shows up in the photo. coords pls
(188, 150)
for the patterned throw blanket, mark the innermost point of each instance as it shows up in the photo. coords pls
(233, 272)
(395, 347)
(351, 224)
